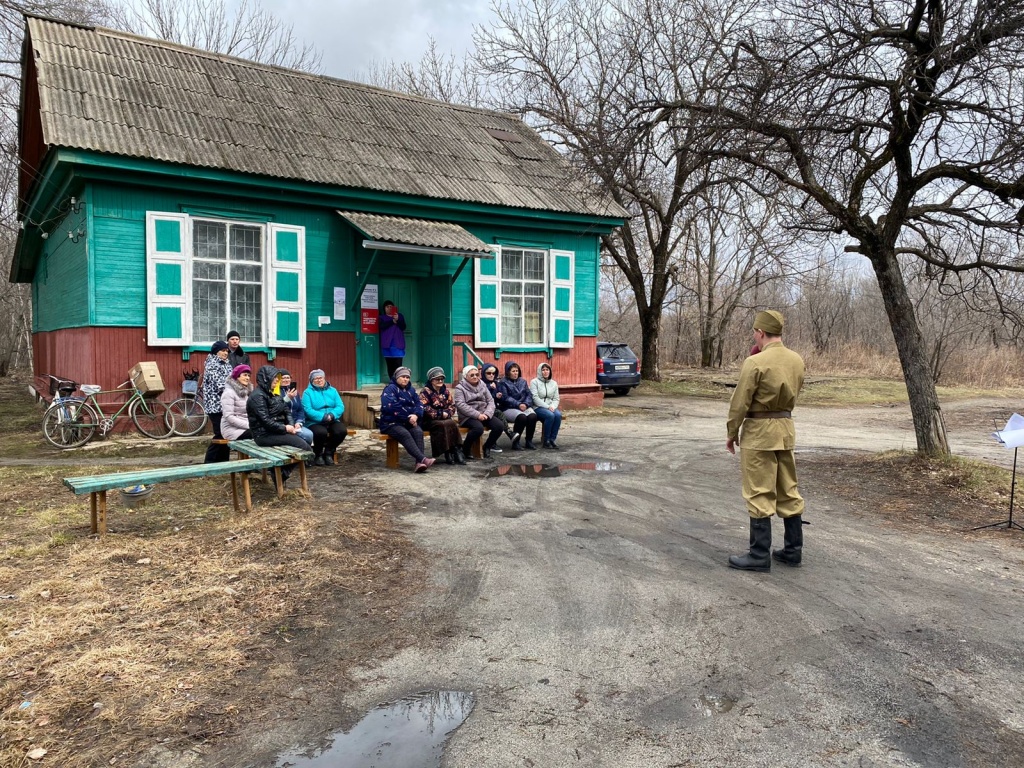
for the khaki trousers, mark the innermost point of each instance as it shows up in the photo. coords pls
(769, 483)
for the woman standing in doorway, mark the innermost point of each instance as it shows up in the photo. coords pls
(392, 337)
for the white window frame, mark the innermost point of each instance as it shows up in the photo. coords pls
(488, 315)
(231, 322)
(273, 270)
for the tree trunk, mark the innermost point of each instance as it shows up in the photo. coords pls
(924, 401)
(650, 331)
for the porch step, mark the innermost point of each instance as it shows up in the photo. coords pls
(361, 406)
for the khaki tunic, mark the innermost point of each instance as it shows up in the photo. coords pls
(769, 381)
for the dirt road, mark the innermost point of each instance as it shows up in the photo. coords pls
(595, 619)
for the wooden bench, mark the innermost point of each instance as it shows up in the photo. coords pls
(276, 457)
(215, 441)
(391, 445)
(98, 485)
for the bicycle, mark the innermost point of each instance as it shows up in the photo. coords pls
(72, 420)
(186, 416)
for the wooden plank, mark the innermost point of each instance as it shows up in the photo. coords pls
(93, 483)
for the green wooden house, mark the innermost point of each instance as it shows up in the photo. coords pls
(168, 194)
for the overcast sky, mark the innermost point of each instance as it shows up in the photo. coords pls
(352, 33)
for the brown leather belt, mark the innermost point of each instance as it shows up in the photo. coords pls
(769, 414)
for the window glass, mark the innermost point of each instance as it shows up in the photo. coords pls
(523, 291)
(223, 300)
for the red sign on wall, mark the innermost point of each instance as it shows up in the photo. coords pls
(368, 320)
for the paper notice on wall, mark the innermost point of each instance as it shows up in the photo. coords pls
(1012, 435)
(369, 297)
(339, 303)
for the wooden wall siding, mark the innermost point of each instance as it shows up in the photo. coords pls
(570, 367)
(586, 248)
(119, 220)
(104, 356)
(60, 290)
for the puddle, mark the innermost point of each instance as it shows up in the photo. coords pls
(551, 470)
(408, 733)
(711, 704)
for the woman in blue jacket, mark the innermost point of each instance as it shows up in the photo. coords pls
(517, 403)
(400, 415)
(323, 407)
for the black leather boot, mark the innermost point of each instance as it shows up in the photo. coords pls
(759, 557)
(448, 458)
(794, 541)
(458, 455)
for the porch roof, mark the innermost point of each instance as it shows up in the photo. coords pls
(439, 235)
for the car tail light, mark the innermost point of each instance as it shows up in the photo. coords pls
(600, 365)
(638, 365)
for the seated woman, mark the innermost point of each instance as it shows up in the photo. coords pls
(400, 413)
(545, 401)
(290, 393)
(323, 407)
(270, 417)
(475, 407)
(234, 422)
(439, 418)
(489, 376)
(518, 404)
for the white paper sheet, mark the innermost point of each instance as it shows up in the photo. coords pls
(1012, 435)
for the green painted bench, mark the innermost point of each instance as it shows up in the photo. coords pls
(98, 485)
(277, 457)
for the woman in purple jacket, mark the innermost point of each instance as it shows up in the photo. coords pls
(517, 402)
(391, 325)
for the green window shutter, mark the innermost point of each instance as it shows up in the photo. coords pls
(487, 307)
(562, 268)
(287, 287)
(168, 280)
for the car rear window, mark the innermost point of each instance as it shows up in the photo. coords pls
(617, 352)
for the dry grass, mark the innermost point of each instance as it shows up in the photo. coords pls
(148, 636)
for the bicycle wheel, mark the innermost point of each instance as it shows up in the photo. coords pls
(69, 424)
(151, 417)
(186, 417)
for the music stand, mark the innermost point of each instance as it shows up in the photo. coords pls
(1008, 523)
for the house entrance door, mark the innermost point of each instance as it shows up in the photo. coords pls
(404, 293)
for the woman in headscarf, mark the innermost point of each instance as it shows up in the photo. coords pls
(545, 401)
(324, 408)
(400, 414)
(234, 423)
(270, 417)
(475, 405)
(216, 372)
(518, 404)
(439, 418)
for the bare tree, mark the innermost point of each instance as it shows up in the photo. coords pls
(826, 301)
(437, 75)
(15, 299)
(901, 125)
(247, 30)
(578, 70)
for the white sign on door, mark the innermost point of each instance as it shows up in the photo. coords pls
(369, 299)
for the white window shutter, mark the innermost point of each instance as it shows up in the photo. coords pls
(286, 300)
(168, 279)
(487, 301)
(561, 302)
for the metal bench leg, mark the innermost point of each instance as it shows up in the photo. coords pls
(392, 446)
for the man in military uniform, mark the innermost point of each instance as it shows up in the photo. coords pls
(761, 421)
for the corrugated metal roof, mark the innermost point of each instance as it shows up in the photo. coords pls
(431, 234)
(117, 93)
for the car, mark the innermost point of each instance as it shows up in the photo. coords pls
(618, 368)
